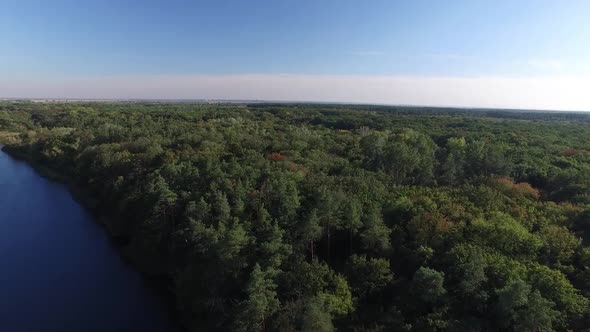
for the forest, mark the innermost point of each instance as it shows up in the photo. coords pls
(300, 217)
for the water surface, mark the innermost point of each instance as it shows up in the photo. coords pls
(58, 269)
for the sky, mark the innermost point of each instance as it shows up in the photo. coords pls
(509, 54)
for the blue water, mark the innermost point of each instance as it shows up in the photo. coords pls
(58, 270)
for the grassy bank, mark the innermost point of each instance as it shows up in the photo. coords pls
(9, 137)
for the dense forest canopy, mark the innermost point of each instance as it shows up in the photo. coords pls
(324, 217)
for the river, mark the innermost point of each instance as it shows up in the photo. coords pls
(58, 269)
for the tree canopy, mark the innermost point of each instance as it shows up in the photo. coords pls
(323, 217)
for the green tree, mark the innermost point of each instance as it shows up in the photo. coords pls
(316, 318)
(375, 235)
(428, 285)
(523, 309)
(261, 301)
(368, 275)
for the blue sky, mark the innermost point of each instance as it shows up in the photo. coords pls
(67, 40)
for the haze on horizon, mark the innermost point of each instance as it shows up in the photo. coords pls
(525, 54)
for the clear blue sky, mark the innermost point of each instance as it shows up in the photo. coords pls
(305, 37)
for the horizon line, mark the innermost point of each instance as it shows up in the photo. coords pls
(270, 101)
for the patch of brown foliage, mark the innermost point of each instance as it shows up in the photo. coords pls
(276, 156)
(520, 188)
(570, 152)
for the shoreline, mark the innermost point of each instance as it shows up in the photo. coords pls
(78, 194)
(158, 282)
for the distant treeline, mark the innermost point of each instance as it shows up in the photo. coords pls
(275, 217)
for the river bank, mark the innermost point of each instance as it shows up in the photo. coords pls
(60, 270)
(160, 283)
(79, 194)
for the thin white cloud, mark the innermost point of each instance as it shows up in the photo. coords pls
(452, 57)
(546, 64)
(549, 92)
(367, 53)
